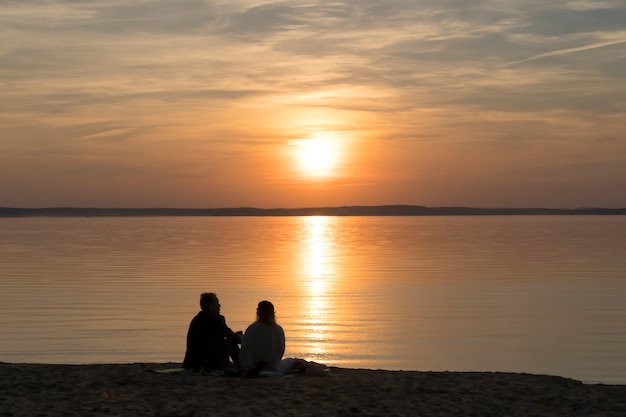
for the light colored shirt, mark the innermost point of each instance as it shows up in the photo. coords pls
(263, 342)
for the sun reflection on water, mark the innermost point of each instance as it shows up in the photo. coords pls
(318, 275)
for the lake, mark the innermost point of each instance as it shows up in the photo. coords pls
(538, 294)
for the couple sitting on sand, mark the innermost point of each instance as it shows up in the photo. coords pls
(211, 344)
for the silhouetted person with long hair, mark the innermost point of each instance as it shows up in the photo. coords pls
(210, 341)
(263, 343)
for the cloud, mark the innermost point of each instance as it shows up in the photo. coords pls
(243, 49)
(569, 51)
(562, 18)
(212, 77)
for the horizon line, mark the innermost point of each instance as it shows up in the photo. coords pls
(362, 210)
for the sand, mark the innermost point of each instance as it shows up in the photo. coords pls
(135, 390)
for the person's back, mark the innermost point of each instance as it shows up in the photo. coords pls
(263, 344)
(209, 338)
(205, 342)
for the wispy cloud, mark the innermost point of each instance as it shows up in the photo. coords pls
(224, 80)
(568, 51)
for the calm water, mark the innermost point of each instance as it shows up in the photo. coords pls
(525, 294)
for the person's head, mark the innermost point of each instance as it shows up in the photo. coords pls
(265, 312)
(209, 302)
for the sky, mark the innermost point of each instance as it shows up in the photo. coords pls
(204, 104)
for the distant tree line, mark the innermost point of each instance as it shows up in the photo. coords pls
(388, 210)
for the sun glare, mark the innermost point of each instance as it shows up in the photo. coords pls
(317, 155)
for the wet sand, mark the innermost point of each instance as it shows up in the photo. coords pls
(136, 390)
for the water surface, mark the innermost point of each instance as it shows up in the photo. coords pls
(540, 294)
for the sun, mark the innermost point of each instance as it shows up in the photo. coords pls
(317, 154)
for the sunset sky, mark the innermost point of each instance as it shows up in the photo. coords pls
(202, 103)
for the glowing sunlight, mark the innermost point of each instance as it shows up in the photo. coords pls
(318, 251)
(318, 270)
(318, 154)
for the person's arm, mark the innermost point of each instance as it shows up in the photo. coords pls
(280, 346)
(244, 354)
(228, 333)
(233, 337)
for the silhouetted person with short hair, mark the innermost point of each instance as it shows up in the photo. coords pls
(210, 341)
(263, 343)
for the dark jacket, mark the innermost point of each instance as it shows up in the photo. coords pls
(207, 342)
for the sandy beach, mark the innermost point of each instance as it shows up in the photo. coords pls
(137, 390)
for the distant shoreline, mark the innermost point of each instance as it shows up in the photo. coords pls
(386, 210)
